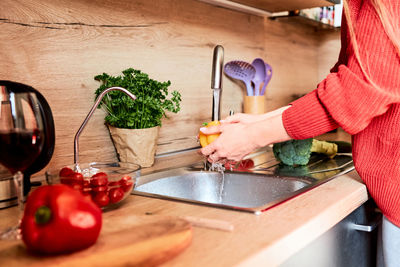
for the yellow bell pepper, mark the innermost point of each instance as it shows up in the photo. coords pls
(206, 139)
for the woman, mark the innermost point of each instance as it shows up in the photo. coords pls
(361, 95)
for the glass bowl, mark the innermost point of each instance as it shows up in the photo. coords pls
(107, 184)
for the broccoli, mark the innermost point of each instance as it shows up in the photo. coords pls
(298, 152)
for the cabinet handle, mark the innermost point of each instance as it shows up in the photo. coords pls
(369, 227)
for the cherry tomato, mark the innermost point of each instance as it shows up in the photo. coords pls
(116, 195)
(76, 186)
(77, 177)
(65, 172)
(127, 186)
(99, 179)
(247, 164)
(244, 165)
(86, 190)
(74, 178)
(113, 184)
(125, 178)
(86, 183)
(126, 183)
(101, 199)
(65, 181)
(97, 189)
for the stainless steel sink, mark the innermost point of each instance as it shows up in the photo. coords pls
(263, 186)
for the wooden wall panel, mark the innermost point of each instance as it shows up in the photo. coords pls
(58, 46)
(328, 53)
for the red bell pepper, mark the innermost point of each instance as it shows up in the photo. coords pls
(59, 219)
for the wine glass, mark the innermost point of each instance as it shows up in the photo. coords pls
(21, 139)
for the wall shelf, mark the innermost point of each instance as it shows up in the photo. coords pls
(286, 5)
(269, 7)
(292, 17)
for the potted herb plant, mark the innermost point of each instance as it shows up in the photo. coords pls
(134, 125)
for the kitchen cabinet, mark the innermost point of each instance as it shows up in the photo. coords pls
(351, 242)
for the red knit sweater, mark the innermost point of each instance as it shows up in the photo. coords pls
(372, 116)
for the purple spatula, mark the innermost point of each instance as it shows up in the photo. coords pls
(259, 77)
(268, 75)
(242, 71)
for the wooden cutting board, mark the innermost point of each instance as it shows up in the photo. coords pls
(129, 240)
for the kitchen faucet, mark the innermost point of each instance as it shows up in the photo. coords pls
(97, 102)
(216, 81)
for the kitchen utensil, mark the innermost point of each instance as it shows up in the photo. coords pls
(268, 75)
(242, 71)
(259, 76)
(254, 104)
(108, 184)
(125, 240)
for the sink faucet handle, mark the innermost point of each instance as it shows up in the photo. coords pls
(218, 62)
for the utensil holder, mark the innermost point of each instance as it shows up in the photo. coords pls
(254, 104)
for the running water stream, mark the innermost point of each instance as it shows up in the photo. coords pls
(218, 167)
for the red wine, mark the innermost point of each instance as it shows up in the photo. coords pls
(19, 149)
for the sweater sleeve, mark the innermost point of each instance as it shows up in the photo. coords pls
(346, 98)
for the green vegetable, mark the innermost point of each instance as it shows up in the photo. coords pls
(298, 152)
(149, 107)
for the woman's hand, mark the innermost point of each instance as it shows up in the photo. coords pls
(242, 134)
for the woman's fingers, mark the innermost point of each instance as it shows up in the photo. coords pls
(213, 158)
(208, 150)
(228, 120)
(211, 130)
(213, 151)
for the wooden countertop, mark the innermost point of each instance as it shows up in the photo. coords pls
(271, 237)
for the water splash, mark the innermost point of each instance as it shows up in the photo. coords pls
(218, 167)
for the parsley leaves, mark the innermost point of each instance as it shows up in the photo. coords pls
(149, 107)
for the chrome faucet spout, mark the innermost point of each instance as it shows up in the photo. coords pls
(216, 81)
(216, 111)
(97, 102)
